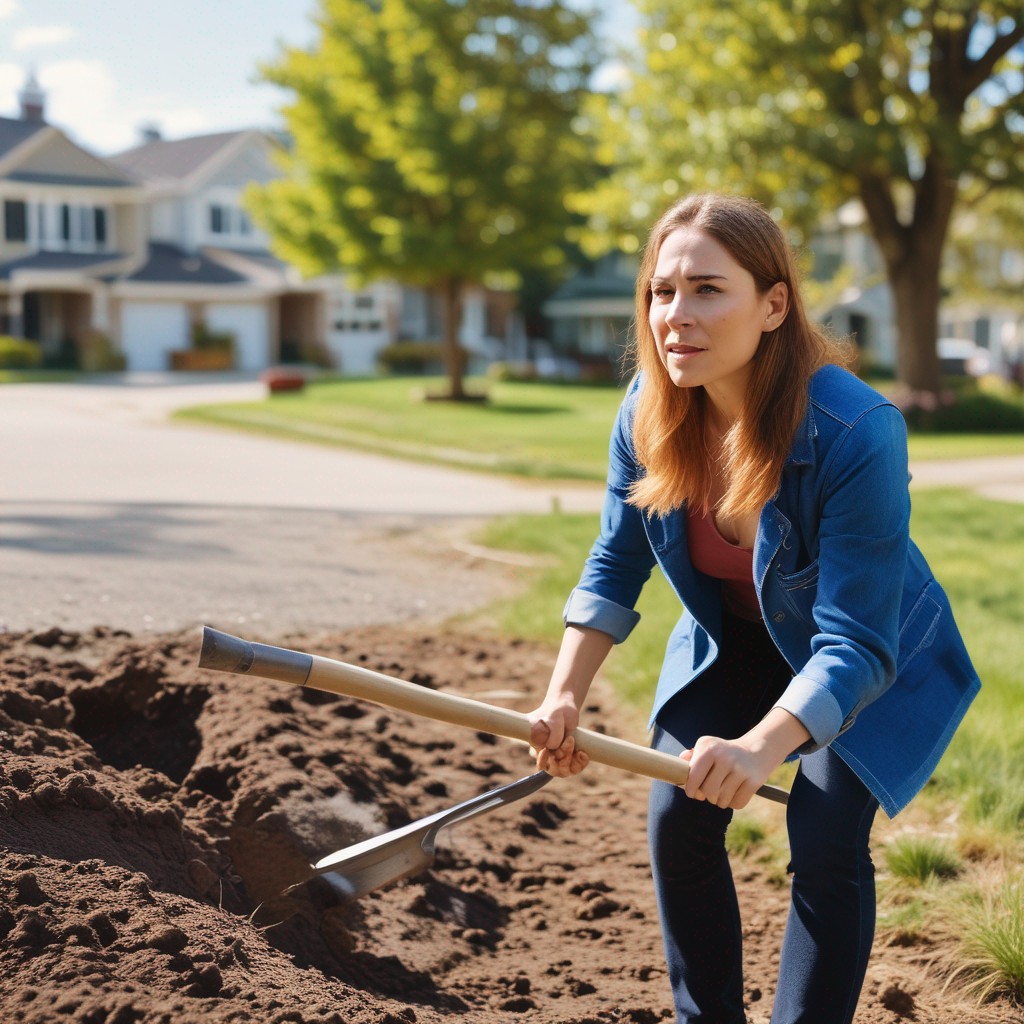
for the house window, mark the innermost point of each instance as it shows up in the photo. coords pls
(364, 302)
(218, 220)
(15, 220)
(70, 227)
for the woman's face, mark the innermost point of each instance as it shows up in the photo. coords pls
(707, 315)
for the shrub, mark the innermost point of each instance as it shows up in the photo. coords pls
(19, 354)
(98, 355)
(512, 372)
(313, 353)
(416, 357)
(969, 410)
(205, 340)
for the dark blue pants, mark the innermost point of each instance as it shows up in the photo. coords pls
(832, 913)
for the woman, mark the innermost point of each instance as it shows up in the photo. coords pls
(770, 486)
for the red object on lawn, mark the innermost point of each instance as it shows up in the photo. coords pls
(282, 379)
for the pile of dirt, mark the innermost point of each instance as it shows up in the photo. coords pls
(152, 816)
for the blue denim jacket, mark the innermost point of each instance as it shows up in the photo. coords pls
(881, 672)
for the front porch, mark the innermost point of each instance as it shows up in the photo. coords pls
(58, 320)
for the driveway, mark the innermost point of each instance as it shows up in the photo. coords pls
(112, 515)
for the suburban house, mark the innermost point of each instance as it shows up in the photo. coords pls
(591, 312)
(150, 247)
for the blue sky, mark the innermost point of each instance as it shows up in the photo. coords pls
(109, 66)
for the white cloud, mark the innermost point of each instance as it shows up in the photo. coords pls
(8, 7)
(41, 35)
(82, 97)
(12, 78)
(80, 94)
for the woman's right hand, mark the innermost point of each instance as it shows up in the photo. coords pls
(551, 739)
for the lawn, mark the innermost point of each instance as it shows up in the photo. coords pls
(535, 430)
(525, 429)
(37, 376)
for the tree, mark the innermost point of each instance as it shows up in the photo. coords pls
(911, 106)
(434, 142)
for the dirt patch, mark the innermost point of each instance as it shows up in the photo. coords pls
(152, 815)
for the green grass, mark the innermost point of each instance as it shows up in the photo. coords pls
(993, 944)
(525, 429)
(37, 376)
(744, 835)
(931, 447)
(533, 430)
(919, 859)
(976, 548)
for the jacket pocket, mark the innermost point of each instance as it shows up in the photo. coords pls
(805, 577)
(799, 590)
(919, 627)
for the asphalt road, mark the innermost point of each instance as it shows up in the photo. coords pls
(112, 515)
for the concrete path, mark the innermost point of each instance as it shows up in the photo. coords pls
(111, 514)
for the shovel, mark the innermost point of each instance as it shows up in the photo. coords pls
(227, 653)
(376, 862)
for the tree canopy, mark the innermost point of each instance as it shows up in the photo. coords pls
(433, 141)
(910, 106)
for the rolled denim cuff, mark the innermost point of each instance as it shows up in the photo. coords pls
(818, 711)
(595, 612)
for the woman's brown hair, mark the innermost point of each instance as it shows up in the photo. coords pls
(669, 425)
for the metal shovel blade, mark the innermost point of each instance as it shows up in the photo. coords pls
(376, 862)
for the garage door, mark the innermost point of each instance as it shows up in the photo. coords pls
(249, 325)
(150, 331)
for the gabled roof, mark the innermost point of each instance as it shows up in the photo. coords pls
(59, 261)
(13, 132)
(167, 264)
(170, 160)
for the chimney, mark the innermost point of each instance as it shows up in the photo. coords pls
(150, 132)
(32, 99)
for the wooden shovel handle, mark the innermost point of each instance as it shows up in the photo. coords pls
(232, 654)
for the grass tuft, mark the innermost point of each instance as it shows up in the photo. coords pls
(992, 961)
(920, 858)
(744, 836)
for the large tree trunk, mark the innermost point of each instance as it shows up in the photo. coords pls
(915, 290)
(451, 316)
(912, 252)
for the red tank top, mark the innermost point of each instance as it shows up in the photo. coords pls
(713, 555)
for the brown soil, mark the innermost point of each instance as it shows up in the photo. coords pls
(151, 815)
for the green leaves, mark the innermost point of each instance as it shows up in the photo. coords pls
(432, 139)
(798, 102)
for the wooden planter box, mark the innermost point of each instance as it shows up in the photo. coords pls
(192, 359)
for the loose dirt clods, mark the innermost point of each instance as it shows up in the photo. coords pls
(152, 815)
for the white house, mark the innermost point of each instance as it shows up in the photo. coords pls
(72, 222)
(149, 244)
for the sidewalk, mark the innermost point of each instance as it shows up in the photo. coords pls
(1000, 477)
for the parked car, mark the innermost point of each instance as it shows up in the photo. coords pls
(960, 357)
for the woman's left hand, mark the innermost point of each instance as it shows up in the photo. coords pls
(726, 773)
